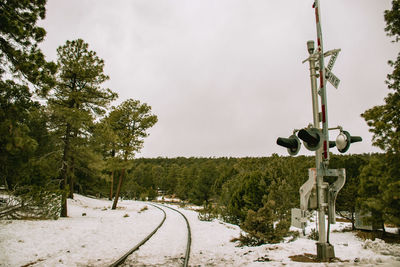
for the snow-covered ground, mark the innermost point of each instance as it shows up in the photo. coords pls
(167, 247)
(94, 235)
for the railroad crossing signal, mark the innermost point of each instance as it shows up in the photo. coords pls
(292, 144)
(332, 61)
(344, 139)
(312, 138)
(316, 193)
(332, 78)
(328, 70)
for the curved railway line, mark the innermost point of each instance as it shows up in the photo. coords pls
(161, 207)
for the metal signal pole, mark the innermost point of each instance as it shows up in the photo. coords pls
(322, 84)
(325, 251)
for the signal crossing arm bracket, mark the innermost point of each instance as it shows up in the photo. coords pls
(308, 195)
(333, 189)
(308, 200)
(306, 190)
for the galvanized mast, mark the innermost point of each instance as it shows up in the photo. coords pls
(322, 89)
(325, 251)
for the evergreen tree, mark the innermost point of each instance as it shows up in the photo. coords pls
(171, 178)
(16, 144)
(348, 195)
(391, 194)
(26, 147)
(130, 122)
(158, 174)
(264, 225)
(22, 66)
(185, 182)
(373, 179)
(384, 123)
(41, 162)
(384, 120)
(105, 140)
(20, 56)
(202, 185)
(75, 101)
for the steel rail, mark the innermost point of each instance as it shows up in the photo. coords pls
(126, 255)
(189, 237)
(188, 243)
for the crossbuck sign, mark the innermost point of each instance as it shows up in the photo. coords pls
(328, 70)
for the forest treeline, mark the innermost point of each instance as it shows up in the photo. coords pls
(244, 190)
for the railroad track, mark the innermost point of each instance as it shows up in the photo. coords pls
(125, 257)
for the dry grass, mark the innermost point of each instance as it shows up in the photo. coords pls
(387, 237)
(144, 209)
(343, 220)
(307, 257)
(32, 263)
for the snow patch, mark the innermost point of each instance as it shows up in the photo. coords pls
(103, 235)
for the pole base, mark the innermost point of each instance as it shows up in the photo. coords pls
(325, 252)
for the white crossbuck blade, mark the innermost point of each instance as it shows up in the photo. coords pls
(332, 78)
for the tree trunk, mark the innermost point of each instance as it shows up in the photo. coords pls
(71, 179)
(114, 206)
(64, 173)
(64, 210)
(5, 180)
(383, 228)
(71, 187)
(112, 185)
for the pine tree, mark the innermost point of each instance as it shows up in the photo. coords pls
(384, 123)
(16, 142)
(391, 193)
(19, 38)
(372, 186)
(201, 191)
(22, 67)
(384, 120)
(75, 101)
(264, 226)
(105, 141)
(130, 122)
(347, 198)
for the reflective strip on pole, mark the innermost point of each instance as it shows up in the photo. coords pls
(324, 106)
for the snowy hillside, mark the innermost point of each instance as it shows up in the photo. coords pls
(94, 235)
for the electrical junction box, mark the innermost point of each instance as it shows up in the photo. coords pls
(362, 222)
(299, 219)
(312, 201)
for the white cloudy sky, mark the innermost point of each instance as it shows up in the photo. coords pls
(225, 77)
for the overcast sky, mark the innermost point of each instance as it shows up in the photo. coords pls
(225, 77)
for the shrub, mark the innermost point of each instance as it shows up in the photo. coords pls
(247, 240)
(264, 226)
(143, 209)
(207, 213)
(313, 235)
(32, 202)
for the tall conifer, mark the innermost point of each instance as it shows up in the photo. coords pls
(75, 101)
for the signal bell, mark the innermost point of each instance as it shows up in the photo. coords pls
(312, 138)
(292, 144)
(344, 139)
